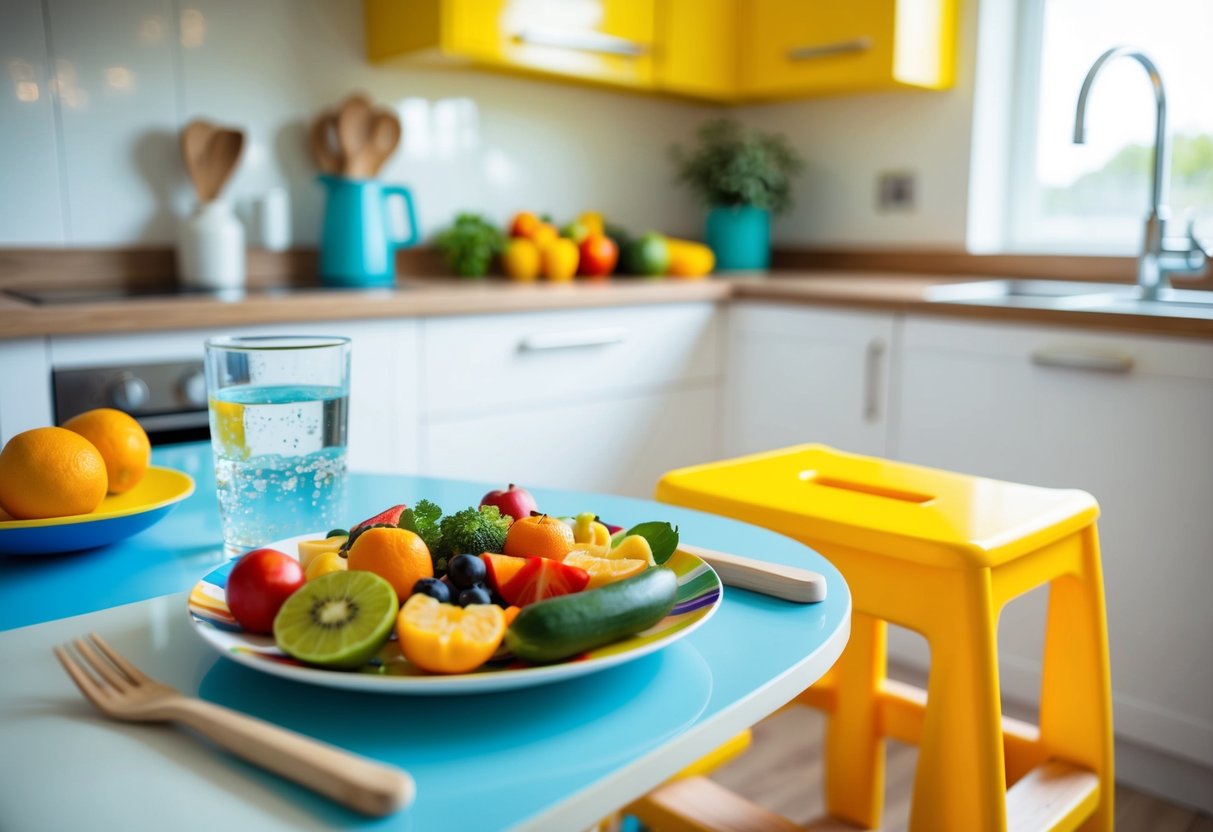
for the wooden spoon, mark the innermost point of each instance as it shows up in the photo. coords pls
(194, 139)
(787, 582)
(323, 138)
(385, 137)
(219, 161)
(353, 130)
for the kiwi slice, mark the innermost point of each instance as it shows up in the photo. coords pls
(338, 620)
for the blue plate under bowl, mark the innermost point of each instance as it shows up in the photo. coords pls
(118, 517)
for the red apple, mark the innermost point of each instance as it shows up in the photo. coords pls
(514, 501)
(258, 585)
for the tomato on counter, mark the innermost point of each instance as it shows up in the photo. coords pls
(599, 254)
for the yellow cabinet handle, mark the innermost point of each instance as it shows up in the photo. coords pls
(582, 42)
(825, 50)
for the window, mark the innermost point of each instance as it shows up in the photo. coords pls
(1092, 198)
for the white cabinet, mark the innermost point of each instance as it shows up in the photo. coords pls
(594, 399)
(383, 401)
(620, 445)
(1127, 418)
(800, 375)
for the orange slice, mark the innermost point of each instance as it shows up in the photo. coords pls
(605, 571)
(444, 638)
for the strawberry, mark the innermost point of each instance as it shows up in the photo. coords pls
(542, 578)
(386, 518)
(501, 568)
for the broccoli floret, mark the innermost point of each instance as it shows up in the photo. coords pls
(474, 531)
(423, 520)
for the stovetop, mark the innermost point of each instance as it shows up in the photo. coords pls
(104, 294)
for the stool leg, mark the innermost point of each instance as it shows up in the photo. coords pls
(1076, 693)
(854, 744)
(960, 783)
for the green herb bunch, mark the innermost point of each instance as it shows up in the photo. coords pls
(470, 244)
(734, 166)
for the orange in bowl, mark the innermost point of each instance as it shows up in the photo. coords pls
(397, 555)
(50, 472)
(122, 442)
(539, 536)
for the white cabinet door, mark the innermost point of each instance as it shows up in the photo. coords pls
(620, 445)
(807, 375)
(1013, 402)
(384, 381)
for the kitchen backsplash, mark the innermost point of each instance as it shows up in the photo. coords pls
(99, 90)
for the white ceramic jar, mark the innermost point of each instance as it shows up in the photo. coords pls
(210, 248)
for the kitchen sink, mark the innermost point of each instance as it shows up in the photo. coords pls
(1114, 298)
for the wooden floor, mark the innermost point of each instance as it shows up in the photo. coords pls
(782, 772)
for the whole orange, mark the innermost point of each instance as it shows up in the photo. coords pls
(539, 536)
(50, 472)
(122, 442)
(396, 555)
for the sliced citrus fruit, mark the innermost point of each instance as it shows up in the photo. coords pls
(325, 563)
(339, 620)
(605, 571)
(444, 638)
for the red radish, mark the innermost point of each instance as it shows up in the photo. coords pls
(515, 501)
(259, 584)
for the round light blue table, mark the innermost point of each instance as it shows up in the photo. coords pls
(553, 757)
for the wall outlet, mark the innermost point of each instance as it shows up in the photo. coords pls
(895, 191)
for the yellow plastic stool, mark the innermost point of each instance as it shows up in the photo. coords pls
(941, 553)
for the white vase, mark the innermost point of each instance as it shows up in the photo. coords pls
(210, 248)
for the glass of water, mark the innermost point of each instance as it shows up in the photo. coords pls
(278, 411)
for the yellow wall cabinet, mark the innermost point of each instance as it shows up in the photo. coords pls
(719, 50)
(817, 47)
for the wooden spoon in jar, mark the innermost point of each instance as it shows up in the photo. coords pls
(211, 154)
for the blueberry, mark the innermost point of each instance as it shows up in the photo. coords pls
(475, 595)
(465, 571)
(434, 588)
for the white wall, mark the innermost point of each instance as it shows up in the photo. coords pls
(847, 142)
(98, 163)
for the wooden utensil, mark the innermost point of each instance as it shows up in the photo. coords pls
(787, 582)
(121, 691)
(194, 139)
(323, 139)
(385, 137)
(211, 154)
(354, 119)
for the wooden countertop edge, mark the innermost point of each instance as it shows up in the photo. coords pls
(426, 298)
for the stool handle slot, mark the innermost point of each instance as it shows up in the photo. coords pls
(816, 478)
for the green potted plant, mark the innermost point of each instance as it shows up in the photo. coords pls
(743, 177)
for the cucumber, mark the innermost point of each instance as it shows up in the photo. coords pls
(557, 628)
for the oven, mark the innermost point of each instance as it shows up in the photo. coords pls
(167, 398)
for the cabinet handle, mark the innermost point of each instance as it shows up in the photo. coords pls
(582, 42)
(873, 361)
(826, 50)
(1073, 358)
(571, 340)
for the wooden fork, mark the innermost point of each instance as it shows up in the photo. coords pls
(121, 691)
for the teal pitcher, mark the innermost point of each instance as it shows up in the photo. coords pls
(357, 247)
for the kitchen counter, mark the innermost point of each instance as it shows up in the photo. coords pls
(416, 297)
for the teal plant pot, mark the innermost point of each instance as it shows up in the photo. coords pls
(740, 237)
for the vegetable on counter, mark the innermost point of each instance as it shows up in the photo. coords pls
(470, 244)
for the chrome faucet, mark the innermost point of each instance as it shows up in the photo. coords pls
(1159, 258)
